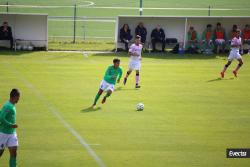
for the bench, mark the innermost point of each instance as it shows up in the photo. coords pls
(5, 43)
(170, 44)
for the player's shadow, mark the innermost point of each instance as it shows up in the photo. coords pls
(90, 109)
(120, 88)
(219, 79)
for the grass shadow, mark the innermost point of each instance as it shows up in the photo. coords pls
(165, 55)
(120, 88)
(90, 109)
(219, 79)
(14, 53)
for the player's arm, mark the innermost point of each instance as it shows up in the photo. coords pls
(4, 121)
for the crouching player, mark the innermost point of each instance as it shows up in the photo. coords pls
(236, 44)
(108, 83)
(135, 60)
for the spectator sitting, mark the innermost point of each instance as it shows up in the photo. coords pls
(207, 40)
(125, 35)
(220, 38)
(158, 36)
(142, 32)
(6, 33)
(246, 38)
(192, 45)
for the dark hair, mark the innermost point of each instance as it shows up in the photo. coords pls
(14, 93)
(247, 25)
(209, 25)
(116, 60)
(218, 24)
(235, 26)
(125, 25)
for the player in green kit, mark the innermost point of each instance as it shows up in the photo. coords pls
(8, 136)
(112, 75)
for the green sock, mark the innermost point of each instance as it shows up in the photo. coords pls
(107, 95)
(96, 98)
(12, 162)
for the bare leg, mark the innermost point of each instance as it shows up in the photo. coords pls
(226, 66)
(137, 76)
(109, 92)
(126, 77)
(13, 155)
(239, 65)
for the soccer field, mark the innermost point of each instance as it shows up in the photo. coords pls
(190, 115)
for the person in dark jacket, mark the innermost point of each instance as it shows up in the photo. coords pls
(158, 36)
(6, 33)
(142, 32)
(125, 35)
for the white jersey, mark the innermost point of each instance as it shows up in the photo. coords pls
(235, 51)
(236, 41)
(137, 50)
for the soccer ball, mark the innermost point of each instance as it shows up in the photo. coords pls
(140, 107)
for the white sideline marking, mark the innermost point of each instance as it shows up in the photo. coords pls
(91, 6)
(82, 20)
(83, 52)
(54, 111)
(89, 3)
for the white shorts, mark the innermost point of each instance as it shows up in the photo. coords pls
(220, 41)
(8, 140)
(234, 55)
(106, 86)
(134, 65)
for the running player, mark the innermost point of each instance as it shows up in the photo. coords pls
(236, 44)
(108, 83)
(135, 60)
(8, 136)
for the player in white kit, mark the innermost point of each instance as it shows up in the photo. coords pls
(135, 60)
(236, 44)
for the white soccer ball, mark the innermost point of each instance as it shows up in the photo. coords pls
(140, 107)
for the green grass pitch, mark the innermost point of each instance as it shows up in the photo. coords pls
(190, 115)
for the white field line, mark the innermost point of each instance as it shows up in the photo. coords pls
(82, 20)
(57, 114)
(87, 37)
(89, 3)
(82, 52)
(123, 8)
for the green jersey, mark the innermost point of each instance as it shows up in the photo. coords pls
(8, 118)
(112, 74)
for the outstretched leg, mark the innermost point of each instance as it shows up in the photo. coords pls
(238, 67)
(225, 68)
(97, 97)
(109, 92)
(13, 154)
(126, 77)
